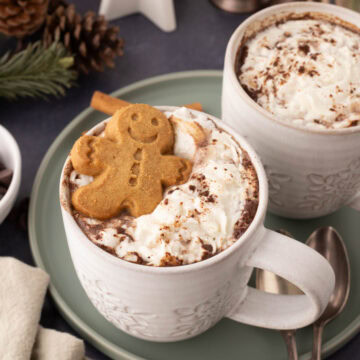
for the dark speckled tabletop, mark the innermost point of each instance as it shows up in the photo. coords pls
(198, 43)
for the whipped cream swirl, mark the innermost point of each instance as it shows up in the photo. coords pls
(306, 72)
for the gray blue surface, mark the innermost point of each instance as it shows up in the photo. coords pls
(198, 43)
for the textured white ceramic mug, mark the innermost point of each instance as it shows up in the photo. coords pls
(11, 157)
(311, 172)
(175, 303)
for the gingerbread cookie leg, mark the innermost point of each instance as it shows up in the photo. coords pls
(97, 199)
(146, 201)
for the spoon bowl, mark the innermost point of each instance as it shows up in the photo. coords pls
(329, 243)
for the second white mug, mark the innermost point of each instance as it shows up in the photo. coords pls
(311, 172)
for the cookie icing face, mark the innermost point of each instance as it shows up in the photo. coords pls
(143, 124)
(145, 129)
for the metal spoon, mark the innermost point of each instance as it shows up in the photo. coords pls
(328, 243)
(269, 282)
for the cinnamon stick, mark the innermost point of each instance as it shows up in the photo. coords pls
(108, 104)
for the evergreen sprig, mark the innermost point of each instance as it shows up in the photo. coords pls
(36, 72)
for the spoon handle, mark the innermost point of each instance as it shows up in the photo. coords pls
(290, 341)
(318, 332)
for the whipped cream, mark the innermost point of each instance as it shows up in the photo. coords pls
(306, 72)
(194, 220)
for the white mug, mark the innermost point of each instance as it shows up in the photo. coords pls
(176, 303)
(311, 172)
(11, 157)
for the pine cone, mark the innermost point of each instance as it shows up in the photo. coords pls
(89, 38)
(54, 4)
(22, 17)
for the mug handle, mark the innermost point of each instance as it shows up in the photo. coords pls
(300, 265)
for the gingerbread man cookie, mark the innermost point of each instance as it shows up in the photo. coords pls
(131, 165)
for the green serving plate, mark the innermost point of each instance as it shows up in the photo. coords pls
(228, 339)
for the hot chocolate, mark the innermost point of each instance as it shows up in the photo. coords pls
(304, 68)
(5, 179)
(194, 220)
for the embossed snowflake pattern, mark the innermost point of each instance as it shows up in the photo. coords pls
(275, 181)
(327, 192)
(121, 315)
(192, 321)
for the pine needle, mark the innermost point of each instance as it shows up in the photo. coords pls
(36, 72)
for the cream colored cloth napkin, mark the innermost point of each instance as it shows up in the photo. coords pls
(22, 292)
(54, 345)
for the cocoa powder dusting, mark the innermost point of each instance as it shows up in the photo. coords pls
(246, 219)
(170, 260)
(304, 48)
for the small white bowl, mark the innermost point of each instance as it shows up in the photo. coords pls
(11, 158)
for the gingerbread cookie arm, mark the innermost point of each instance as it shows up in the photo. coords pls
(177, 170)
(97, 199)
(82, 156)
(88, 155)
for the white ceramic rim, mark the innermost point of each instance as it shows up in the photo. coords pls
(234, 42)
(255, 224)
(15, 181)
